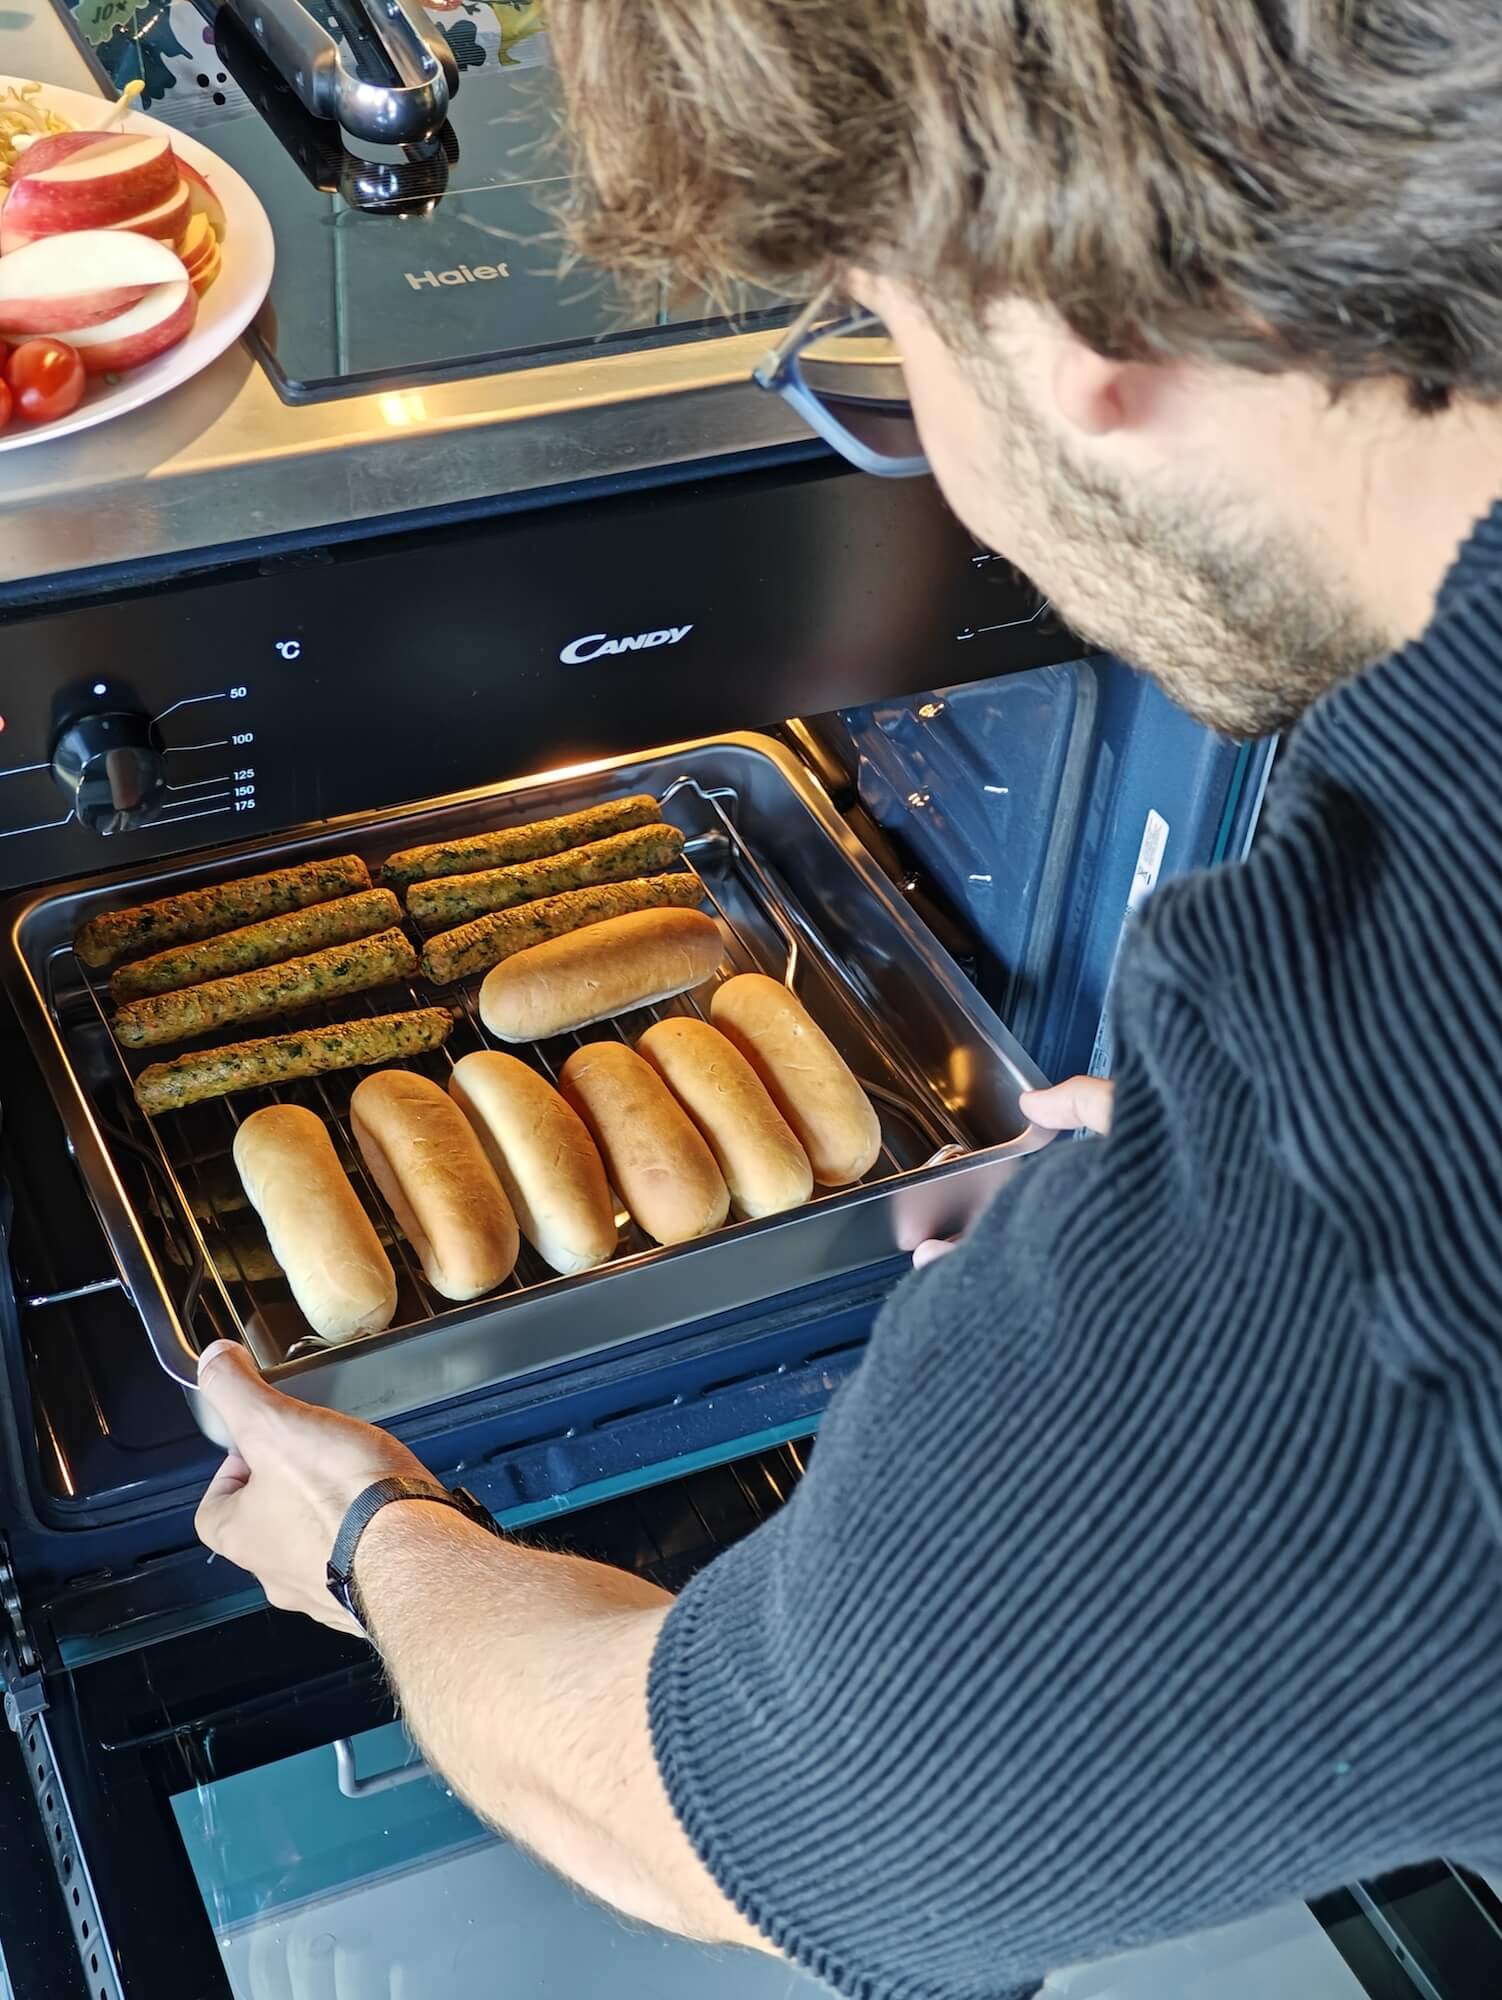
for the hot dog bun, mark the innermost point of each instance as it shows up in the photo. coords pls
(424, 1157)
(320, 1235)
(809, 1080)
(657, 1162)
(764, 1167)
(570, 982)
(545, 1159)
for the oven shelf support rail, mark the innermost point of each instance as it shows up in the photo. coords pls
(26, 1713)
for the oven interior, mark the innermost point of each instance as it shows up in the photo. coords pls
(1011, 820)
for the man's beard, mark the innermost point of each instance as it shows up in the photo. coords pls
(1227, 613)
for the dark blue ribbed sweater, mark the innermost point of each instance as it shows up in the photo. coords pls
(1147, 1572)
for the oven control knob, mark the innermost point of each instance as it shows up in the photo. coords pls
(110, 768)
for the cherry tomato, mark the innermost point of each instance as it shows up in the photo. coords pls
(46, 379)
(4, 402)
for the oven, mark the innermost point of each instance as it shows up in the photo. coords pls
(396, 579)
(943, 865)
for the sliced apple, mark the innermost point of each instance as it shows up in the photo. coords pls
(204, 199)
(193, 263)
(115, 175)
(206, 272)
(163, 318)
(80, 279)
(54, 147)
(196, 240)
(166, 221)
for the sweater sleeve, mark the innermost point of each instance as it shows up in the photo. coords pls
(1126, 1593)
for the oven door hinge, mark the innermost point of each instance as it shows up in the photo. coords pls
(20, 1669)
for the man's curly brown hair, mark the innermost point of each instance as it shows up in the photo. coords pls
(1312, 184)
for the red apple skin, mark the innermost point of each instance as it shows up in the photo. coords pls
(43, 208)
(114, 357)
(204, 199)
(63, 316)
(53, 148)
(166, 221)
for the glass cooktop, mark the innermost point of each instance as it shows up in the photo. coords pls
(393, 264)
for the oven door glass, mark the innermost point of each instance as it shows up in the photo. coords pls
(349, 1873)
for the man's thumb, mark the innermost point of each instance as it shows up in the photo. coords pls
(1064, 1107)
(232, 1386)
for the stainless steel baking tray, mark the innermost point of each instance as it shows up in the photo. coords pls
(795, 895)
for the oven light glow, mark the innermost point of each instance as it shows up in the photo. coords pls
(404, 408)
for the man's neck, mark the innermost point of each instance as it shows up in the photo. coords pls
(1419, 485)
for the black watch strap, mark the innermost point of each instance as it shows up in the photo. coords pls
(363, 1509)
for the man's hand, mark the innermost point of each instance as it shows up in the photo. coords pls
(522, 1675)
(1062, 1107)
(1066, 1107)
(275, 1505)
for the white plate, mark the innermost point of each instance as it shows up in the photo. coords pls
(224, 311)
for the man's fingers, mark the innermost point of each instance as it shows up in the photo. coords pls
(934, 1248)
(231, 1384)
(217, 1504)
(1064, 1107)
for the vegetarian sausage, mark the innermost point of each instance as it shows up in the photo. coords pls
(266, 943)
(475, 947)
(271, 990)
(377, 1038)
(455, 899)
(201, 913)
(510, 844)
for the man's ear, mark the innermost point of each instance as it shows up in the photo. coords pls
(1093, 395)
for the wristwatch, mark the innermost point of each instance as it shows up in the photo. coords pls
(363, 1509)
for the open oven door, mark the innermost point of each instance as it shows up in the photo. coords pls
(271, 1803)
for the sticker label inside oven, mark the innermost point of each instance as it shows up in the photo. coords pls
(1149, 862)
(599, 645)
(1144, 880)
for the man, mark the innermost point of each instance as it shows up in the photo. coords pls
(1148, 1570)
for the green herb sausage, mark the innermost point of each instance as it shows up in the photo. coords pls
(266, 943)
(201, 913)
(477, 946)
(455, 899)
(375, 1038)
(271, 990)
(510, 844)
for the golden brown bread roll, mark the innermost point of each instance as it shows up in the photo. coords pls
(320, 1235)
(541, 1149)
(764, 1167)
(810, 1082)
(424, 1157)
(658, 1164)
(573, 981)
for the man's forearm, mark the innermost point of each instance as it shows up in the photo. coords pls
(523, 1677)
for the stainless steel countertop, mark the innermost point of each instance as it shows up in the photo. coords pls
(223, 460)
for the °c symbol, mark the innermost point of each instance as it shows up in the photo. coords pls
(290, 649)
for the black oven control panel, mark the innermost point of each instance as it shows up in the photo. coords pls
(261, 695)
